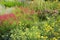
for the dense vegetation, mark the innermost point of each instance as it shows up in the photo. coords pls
(30, 20)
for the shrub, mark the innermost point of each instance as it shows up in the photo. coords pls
(11, 3)
(7, 22)
(42, 23)
(48, 30)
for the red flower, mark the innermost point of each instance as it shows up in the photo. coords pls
(11, 15)
(6, 17)
(1, 17)
(32, 11)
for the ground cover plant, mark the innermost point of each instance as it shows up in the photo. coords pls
(38, 20)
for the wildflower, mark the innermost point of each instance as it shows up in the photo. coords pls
(48, 28)
(38, 36)
(55, 38)
(38, 33)
(23, 33)
(32, 11)
(12, 16)
(42, 37)
(26, 9)
(55, 11)
(27, 29)
(46, 10)
(46, 24)
(2, 17)
(6, 16)
(39, 12)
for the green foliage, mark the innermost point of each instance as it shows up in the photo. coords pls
(34, 29)
(43, 24)
(42, 5)
(11, 3)
(37, 30)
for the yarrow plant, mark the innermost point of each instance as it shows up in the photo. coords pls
(7, 18)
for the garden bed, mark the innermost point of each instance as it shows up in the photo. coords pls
(39, 20)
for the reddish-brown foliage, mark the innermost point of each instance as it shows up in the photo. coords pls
(27, 10)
